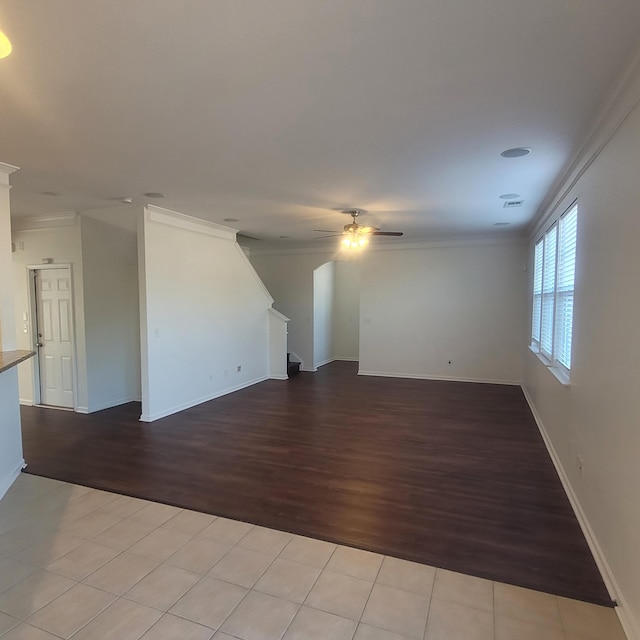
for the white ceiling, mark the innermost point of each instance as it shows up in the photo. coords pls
(282, 113)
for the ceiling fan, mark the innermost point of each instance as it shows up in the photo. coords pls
(356, 235)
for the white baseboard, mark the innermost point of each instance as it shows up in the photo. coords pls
(26, 403)
(308, 370)
(622, 610)
(81, 409)
(420, 376)
(278, 377)
(187, 405)
(8, 480)
(321, 364)
(347, 359)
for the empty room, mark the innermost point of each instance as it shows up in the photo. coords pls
(318, 319)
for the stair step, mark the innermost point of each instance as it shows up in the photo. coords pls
(293, 368)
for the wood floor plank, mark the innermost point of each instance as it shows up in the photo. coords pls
(454, 475)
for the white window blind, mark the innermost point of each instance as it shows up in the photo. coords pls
(537, 291)
(565, 286)
(548, 291)
(554, 267)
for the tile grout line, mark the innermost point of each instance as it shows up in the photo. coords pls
(433, 587)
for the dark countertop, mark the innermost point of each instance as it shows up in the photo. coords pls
(10, 359)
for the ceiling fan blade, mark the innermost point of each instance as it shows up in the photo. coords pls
(387, 233)
(333, 235)
(326, 230)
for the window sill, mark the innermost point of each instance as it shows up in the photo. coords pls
(561, 376)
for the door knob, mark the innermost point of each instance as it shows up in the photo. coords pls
(39, 344)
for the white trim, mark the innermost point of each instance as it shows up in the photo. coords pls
(82, 409)
(188, 223)
(11, 478)
(193, 403)
(307, 370)
(5, 171)
(557, 370)
(420, 376)
(37, 223)
(445, 242)
(256, 277)
(276, 313)
(7, 168)
(348, 359)
(321, 364)
(608, 578)
(278, 377)
(622, 100)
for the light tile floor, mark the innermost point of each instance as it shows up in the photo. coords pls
(90, 565)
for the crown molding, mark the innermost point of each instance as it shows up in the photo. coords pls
(188, 223)
(8, 168)
(450, 242)
(34, 223)
(622, 100)
(5, 171)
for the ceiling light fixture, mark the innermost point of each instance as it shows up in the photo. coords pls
(153, 194)
(230, 220)
(354, 241)
(509, 196)
(5, 45)
(501, 224)
(516, 152)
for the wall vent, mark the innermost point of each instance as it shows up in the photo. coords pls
(511, 204)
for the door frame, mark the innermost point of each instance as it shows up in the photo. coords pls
(33, 327)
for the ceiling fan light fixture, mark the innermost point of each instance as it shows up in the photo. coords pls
(5, 45)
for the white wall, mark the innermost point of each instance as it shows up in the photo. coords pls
(277, 345)
(598, 415)
(346, 310)
(289, 279)
(323, 294)
(111, 313)
(62, 244)
(203, 312)
(11, 460)
(421, 308)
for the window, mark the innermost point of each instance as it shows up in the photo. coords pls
(554, 267)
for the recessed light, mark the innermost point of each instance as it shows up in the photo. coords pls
(231, 220)
(285, 237)
(154, 194)
(509, 196)
(516, 152)
(126, 200)
(49, 193)
(501, 224)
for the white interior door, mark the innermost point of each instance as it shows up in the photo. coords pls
(55, 336)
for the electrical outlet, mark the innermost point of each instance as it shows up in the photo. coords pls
(211, 377)
(239, 369)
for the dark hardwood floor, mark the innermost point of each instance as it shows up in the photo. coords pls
(450, 474)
